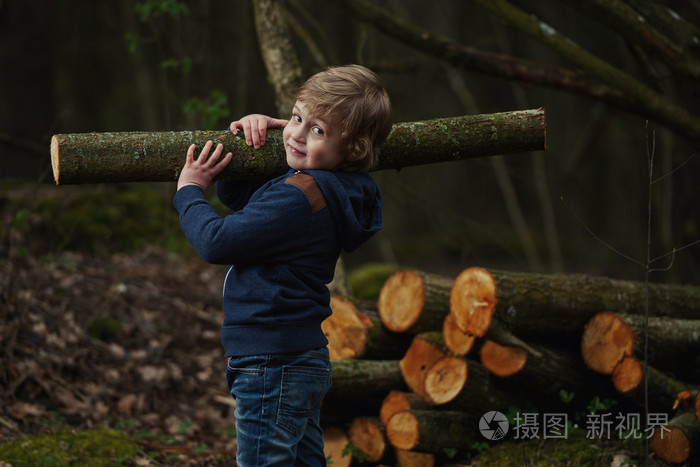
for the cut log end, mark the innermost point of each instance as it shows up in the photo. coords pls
(401, 300)
(393, 403)
(403, 431)
(419, 358)
(628, 375)
(503, 360)
(346, 330)
(367, 436)
(458, 341)
(445, 380)
(54, 159)
(473, 300)
(670, 444)
(607, 338)
(414, 459)
(335, 441)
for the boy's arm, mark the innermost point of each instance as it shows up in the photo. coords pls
(234, 194)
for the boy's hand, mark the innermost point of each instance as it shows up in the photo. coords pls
(255, 127)
(201, 172)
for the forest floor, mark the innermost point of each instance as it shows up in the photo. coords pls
(120, 341)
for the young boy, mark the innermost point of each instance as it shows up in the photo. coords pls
(281, 245)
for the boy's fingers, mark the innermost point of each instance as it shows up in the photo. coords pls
(215, 155)
(263, 134)
(205, 152)
(190, 154)
(246, 132)
(255, 134)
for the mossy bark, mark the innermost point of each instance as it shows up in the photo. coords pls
(561, 304)
(159, 156)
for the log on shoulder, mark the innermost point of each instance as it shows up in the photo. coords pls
(159, 156)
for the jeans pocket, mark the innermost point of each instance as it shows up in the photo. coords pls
(302, 391)
(244, 381)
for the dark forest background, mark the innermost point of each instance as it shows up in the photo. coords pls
(79, 66)
(108, 318)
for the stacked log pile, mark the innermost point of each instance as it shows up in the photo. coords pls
(414, 376)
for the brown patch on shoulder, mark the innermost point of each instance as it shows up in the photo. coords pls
(308, 185)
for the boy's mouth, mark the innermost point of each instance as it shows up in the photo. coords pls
(294, 150)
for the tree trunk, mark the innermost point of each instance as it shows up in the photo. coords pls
(561, 304)
(281, 61)
(430, 371)
(159, 156)
(414, 301)
(679, 440)
(431, 431)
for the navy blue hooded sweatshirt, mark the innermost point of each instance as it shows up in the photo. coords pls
(281, 247)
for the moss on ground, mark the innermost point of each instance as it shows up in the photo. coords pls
(69, 447)
(575, 449)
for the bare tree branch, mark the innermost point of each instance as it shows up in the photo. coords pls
(634, 27)
(656, 106)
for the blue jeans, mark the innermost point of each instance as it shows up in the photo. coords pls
(278, 405)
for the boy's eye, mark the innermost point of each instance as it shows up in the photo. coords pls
(317, 130)
(296, 118)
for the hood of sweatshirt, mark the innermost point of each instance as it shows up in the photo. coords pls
(355, 202)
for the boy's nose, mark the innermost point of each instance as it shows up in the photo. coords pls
(298, 133)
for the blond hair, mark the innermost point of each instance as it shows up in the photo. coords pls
(353, 98)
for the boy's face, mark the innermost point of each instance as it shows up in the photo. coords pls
(310, 142)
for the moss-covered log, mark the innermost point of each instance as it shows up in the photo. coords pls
(674, 344)
(159, 156)
(356, 379)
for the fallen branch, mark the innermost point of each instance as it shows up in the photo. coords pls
(159, 156)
